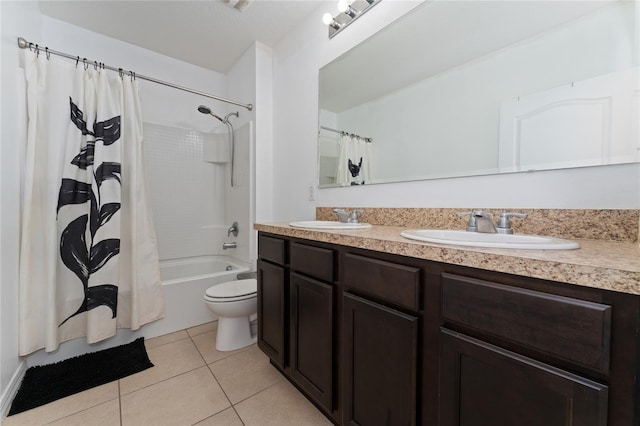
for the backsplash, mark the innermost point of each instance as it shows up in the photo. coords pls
(612, 225)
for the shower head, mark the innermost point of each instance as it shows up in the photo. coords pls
(206, 110)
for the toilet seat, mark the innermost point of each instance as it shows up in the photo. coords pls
(232, 291)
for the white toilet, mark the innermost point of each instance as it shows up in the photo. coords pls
(234, 302)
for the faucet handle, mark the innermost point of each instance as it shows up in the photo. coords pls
(343, 216)
(472, 225)
(504, 224)
(353, 218)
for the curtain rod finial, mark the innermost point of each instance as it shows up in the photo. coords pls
(22, 43)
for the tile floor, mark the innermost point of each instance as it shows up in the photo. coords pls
(190, 384)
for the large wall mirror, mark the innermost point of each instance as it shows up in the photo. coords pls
(461, 88)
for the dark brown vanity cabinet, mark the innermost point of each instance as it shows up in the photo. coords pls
(380, 324)
(311, 307)
(379, 339)
(273, 300)
(543, 354)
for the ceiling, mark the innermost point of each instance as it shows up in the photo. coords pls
(207, 33)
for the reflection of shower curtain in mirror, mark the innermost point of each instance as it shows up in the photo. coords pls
(354, 161)
(88, 258)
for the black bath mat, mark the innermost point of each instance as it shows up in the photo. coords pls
(46, 383)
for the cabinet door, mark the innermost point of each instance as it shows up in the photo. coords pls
(312, 338)
(379, 364)
(272, 321)
(482, 384)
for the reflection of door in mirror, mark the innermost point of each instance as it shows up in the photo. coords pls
(586, 123)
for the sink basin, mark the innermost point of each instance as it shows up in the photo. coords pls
(328, 224)
(478, 239)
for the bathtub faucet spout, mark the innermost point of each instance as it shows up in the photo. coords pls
(229, 245)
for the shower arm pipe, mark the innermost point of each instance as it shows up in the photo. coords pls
(24, 44)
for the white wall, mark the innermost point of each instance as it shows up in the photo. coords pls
(17, 19)
(296, 64)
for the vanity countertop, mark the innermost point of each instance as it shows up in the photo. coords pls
(609, 265)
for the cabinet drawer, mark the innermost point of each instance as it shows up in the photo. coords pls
(272, 249)
(313, 261)
(390, 282)
(570, 329)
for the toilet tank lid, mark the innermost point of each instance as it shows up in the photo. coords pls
(233, 289)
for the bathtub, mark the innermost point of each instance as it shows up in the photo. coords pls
(197, 268)
(184, 282)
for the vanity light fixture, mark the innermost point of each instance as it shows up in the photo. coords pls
(330, 21)
(348, 14)
(345, 7)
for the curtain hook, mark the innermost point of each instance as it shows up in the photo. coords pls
(37, 51)
(120, 72)
(95, 65)
(30, 45)
(133, 75)
(77, 60)
(47, 53)
(86, 65)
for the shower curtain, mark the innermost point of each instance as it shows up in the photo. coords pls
(88, 257)
(354, 161)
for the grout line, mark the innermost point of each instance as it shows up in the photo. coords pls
(119, 402)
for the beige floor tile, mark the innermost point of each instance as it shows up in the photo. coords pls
(169, 360)
(167, 338)
(182, 400)
(64, 407)
(226, 418)
(203, 328)
(280, 405)
(245, 374)
(107, 414)
(206, 343)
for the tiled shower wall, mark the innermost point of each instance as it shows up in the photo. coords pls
(187, 193)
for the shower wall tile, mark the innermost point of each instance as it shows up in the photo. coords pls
(186, 193)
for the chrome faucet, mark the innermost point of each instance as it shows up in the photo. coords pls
(480, 221)
(345, 217)
(233, 230)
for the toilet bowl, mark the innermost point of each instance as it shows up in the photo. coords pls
(234, 302)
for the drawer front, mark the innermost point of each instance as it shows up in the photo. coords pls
(391, 282)
(313, 261)
(571, 329)
(272, 249)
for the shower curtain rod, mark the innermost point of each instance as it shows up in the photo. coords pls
(24, 44)
(346, 133)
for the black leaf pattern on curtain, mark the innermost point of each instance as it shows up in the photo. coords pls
(107, 131)
(73, 249)
(73, 245)
(106, 171)
(73, 192)
(85, 158)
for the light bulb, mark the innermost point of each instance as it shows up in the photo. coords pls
(327, 18)
(343, 5)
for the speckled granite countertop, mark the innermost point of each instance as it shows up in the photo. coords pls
(604, 264)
